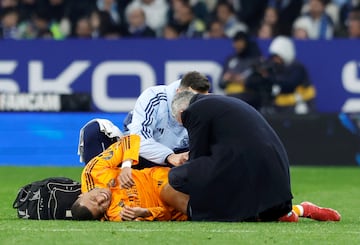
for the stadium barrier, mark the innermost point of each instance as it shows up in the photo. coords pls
(51, 139)
(45, 102)
(317, 139)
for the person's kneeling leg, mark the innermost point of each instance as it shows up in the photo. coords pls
(93, 141)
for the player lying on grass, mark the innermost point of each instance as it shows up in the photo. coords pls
(112, 191)
(139, 197)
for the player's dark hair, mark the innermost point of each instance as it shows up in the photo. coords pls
(196, 81)
(80, 212)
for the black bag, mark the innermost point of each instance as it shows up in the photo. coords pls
(50, 198)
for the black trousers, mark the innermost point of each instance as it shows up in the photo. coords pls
(179, 181)
(274, 213)
(95, 141)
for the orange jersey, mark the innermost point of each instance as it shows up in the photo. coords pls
(103, 172)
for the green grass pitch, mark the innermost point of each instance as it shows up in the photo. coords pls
(336, 187)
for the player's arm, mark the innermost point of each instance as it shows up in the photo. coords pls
(131, 213)
(127, 213)
(99, 172)
(130, 147)
(143, 123)
(103, 170)
(125, 176)
(149, 214)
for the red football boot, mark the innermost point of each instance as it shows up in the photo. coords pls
(315, 212)
(290, 217)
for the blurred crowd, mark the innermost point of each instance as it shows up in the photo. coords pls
(172, 19)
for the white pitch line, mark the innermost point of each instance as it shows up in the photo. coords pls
(125, 230)
(239, 231)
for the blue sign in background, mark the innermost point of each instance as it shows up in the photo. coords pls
(45, 139)
(323, 59)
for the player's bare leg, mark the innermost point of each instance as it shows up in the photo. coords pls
(174, 198)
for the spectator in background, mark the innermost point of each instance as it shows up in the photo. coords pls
(111, 7)
(174, 5)
(353, 24)
(58, 12)
(286, 13)
(215, 30)
(249, 12)
(289, 89)
(210, 5)
(39, 24)
(27, 8)
(301, 28)
(269, 24)
(281, 13)
(266, 31)
(101, 22)
(8, 3)
(83, 29)
(271, 16)
(155, 12)
(187, 24)
(170, 32)
(79, 9)
(8, 24)
(238, 66)
(344, 11)
(122, 5)
(4, 4)
(137, 27)
(225, 13)
(200, 9)
(322, 26)
(97, 21)
(331, 9)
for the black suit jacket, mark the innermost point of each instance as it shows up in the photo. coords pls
(238, 166)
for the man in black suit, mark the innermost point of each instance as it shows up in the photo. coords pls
(238, 169)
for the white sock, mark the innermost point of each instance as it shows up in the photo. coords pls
(301, 210)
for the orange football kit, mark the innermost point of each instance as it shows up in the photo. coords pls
(103, 171)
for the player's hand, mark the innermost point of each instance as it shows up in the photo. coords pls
(178, 159)
(125, 178)
(131, 213)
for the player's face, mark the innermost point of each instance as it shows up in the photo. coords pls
(97, 201)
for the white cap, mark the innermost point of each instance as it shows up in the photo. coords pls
(303, 23)
(283, 47)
